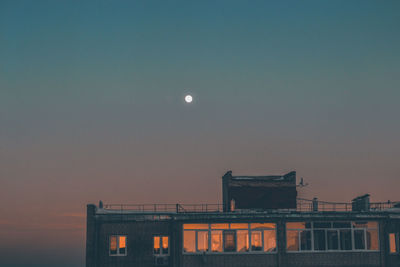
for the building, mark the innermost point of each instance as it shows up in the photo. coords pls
(261, 222)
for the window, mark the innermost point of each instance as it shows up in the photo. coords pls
(256, 238)
(229, 241)
(242, 237)
(392, 243)
(161, 245)
(202, 241)
(229, 237)
(333, 239)
(189, 241)
(216, 241)
(117, 245)
(332, 236)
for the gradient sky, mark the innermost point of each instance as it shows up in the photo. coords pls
(91, 107)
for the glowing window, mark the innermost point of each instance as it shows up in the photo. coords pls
(202, 241)
(372, 239)
(256, 241)
(269, 240)
(197, 226)
(392, 243)
(242, 240)
(189, 241)
(292, 240)
(239, 226)
(220, 226)
(117, 245)
(216, 241)
(157, 245)
(262, 226)
(296, 225)
(161, 245)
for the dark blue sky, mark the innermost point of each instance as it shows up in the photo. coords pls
(91, 106)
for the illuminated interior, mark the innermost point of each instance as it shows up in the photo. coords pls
(392, 243)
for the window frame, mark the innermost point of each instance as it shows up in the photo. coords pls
(118, 254)
(161, 254)
(352, 228)
(396, 243)
(235, 229)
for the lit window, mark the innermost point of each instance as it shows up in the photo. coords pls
(242, 240)
(262, 226)
(202, 241)
(189, 241)
(229, 237)
(392, 243)
(292, 240)
(256, 243)
(372, 239)
(157, 245)
(117, 245)
(269, 240)
(195, 226)
(229, 241)
(216, 241)
(161, 245)
(220, 226)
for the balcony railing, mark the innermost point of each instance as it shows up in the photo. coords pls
(303, 205)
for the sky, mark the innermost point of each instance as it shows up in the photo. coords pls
(92, 107)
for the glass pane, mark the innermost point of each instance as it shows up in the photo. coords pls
(242, 240)
(359, 242)
(216, 241)
(193, 226)
(165, 245)
(220, 226)
(269, 240)
(189, 241)
(372, 239)
(256, 241)
(262, 226)
(319, 240)
(305, 240)
(333, 239)
(229, 241)
(341, 225)
(345, 240)
(239, 226)
(292, 240)
(156, 245)
(392, 243)
(202, 241)
(113, 245)
(322, 225)
(296, 225)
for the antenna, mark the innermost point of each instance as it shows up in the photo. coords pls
(302, 184)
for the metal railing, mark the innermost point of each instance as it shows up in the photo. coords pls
(303, 205)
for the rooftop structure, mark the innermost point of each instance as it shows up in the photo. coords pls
(249, 228)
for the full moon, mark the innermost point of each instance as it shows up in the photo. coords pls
(188, 99)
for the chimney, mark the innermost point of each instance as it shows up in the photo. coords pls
(360, 203)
